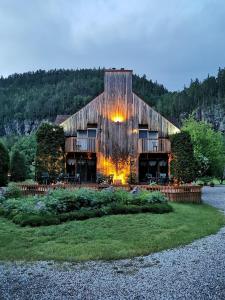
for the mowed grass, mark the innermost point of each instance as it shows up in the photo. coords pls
(110, 237)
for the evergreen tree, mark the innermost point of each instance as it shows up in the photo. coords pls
(183, 165)
(4, 165)
(50, 151)
(18, 166)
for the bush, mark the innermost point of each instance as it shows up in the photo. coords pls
(145, 197)
(134, 209)
(13, 191)
(24, 219)
(82, 214)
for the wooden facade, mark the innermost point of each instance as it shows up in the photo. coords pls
(118, 115)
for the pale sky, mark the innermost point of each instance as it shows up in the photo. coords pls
(170, 41)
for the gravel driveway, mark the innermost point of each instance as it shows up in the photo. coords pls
(196, 271)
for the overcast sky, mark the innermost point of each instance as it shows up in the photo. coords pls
(170, 41)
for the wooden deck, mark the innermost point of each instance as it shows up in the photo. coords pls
(154, 146)
(74, 144)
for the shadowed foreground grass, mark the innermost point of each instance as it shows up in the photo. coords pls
(109, 237)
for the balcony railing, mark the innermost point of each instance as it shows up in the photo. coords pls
(74, 144)
(154, 146)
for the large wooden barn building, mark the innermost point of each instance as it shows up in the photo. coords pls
(117, 134)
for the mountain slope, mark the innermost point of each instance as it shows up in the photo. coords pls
(206, 100)
(29, 98)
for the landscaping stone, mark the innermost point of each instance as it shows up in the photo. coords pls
(135, 190)
(195, 271)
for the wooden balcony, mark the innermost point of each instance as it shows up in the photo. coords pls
(154, 146)
(74, 144)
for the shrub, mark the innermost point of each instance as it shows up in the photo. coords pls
(122, 196)
(65, 200)
(24, 219)
(157, 208)
(13, 191)
(82, 214)
(149, 198)
(133, 209)
(60, 201)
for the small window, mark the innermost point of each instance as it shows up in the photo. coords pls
(81, 133)
(153, 135)
(92, 133)
(143, 134)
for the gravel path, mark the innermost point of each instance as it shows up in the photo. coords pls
(196, 271)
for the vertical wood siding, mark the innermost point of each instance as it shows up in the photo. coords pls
(118, 99)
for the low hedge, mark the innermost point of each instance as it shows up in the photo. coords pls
(24, 219)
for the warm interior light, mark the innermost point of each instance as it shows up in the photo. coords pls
(117, 118)
(108, 168)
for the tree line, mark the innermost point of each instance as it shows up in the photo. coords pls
(45, 94)
(176, 106)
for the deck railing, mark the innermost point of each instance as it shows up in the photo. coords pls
(154, 145)
(74, 144)
(182, 193)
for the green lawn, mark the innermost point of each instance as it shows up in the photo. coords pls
(109, 237)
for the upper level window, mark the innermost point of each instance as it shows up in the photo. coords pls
(82, 133)
(153, 135)
(91, 133)
(143, 134)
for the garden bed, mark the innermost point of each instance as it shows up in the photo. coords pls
(183, 193)
(62, 205)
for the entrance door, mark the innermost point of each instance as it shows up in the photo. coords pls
(153, 167)
(86, 168)
(147, 170)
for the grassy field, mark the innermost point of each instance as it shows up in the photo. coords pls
(110, 237)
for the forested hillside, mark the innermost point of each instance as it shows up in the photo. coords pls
(28, 98)
(206, 100)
